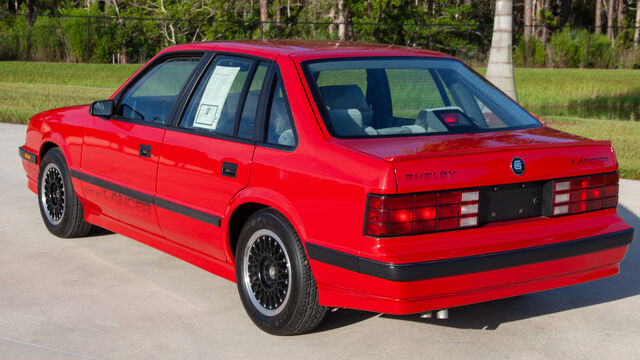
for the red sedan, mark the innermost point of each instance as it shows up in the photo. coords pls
(324, 174)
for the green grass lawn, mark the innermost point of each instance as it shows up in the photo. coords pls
(591, 103)
(27, 88)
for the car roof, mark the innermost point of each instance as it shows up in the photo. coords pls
(306, 49)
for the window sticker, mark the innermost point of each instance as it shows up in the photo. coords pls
(214, 97)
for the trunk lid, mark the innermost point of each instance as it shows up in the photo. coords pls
(429, 163)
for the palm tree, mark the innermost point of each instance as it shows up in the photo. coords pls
(500, 68)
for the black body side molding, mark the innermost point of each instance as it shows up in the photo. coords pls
(150, 199)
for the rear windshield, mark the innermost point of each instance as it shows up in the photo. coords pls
(409, 97)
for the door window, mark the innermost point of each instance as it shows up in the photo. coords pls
(214, 103)
(151, 97)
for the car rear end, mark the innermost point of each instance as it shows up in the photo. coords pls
(488, 204)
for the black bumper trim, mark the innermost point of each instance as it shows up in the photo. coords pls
(28, 155)
(470, 264)
(150, 199)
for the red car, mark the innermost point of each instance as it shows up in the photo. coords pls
(324, 174)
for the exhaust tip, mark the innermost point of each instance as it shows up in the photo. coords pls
(442, 314)
(439, 314)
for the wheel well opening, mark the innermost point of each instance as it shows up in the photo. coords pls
(45, 147)
(237, 220)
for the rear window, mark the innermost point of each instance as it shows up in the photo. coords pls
(409, 97)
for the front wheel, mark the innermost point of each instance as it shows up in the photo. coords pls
(274, 279)
(61, 209)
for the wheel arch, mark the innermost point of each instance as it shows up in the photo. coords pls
(52, 140)
(249, 201)
(46, 146)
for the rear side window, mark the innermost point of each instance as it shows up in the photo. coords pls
(249, 111)
(280, 129)
(153, 95)
(215, 101)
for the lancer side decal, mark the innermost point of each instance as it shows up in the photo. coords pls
(138, 200)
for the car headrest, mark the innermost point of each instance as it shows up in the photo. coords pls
(343, 97)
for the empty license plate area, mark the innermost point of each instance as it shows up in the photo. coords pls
(511, 201)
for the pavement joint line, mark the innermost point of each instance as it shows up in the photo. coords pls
(47, 348)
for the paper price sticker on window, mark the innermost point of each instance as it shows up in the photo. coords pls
(214, 97)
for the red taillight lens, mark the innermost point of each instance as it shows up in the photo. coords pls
(421, 213)
(586, 193)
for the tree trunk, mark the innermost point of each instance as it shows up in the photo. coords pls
(545, 31)
(619, 17)
(636, 36)
(342, 27)
(528, 21)
(332, 19)
(500, 68)
(598, 16)
(264, 13)
(610, 12)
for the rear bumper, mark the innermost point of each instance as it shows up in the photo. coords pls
(422, 286)
(470, 264)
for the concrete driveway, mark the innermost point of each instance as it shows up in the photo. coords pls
(110, 297)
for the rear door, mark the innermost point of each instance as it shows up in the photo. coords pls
(206, 157)
(120, 155)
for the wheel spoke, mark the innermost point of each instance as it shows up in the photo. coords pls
(53, 193)
(267, 272)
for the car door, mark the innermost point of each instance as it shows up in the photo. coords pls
(120, 154)
(206, 157)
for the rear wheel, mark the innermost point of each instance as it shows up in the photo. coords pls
(60, 208)
(274, 279)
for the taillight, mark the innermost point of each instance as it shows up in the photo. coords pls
(585, 193)
(421, 213)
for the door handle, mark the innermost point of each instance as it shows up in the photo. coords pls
(229, 169)
(145, 150)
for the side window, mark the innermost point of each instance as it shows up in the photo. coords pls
(153, 95)
(248, 119)
(213, 105)
(279, 123)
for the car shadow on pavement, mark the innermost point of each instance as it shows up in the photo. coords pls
(490, 315)
(98, 231)
(338, 317)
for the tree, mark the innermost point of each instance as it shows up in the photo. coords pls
(636, 36)
(610, 12)
(264, 13)
(500, 68)
(528, 19)
(598, 16)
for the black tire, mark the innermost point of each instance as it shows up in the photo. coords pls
(274, 279)
(60, 208)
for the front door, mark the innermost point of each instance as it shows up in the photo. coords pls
(120, 155)
(206, 158)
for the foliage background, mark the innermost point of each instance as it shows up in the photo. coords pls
(131, 31)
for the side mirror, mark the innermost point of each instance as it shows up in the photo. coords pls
(103, 108)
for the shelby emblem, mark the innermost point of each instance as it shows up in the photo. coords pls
(517, 166)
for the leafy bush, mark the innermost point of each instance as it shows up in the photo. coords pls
(569, 48)
(530, 53)
(47, 43)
